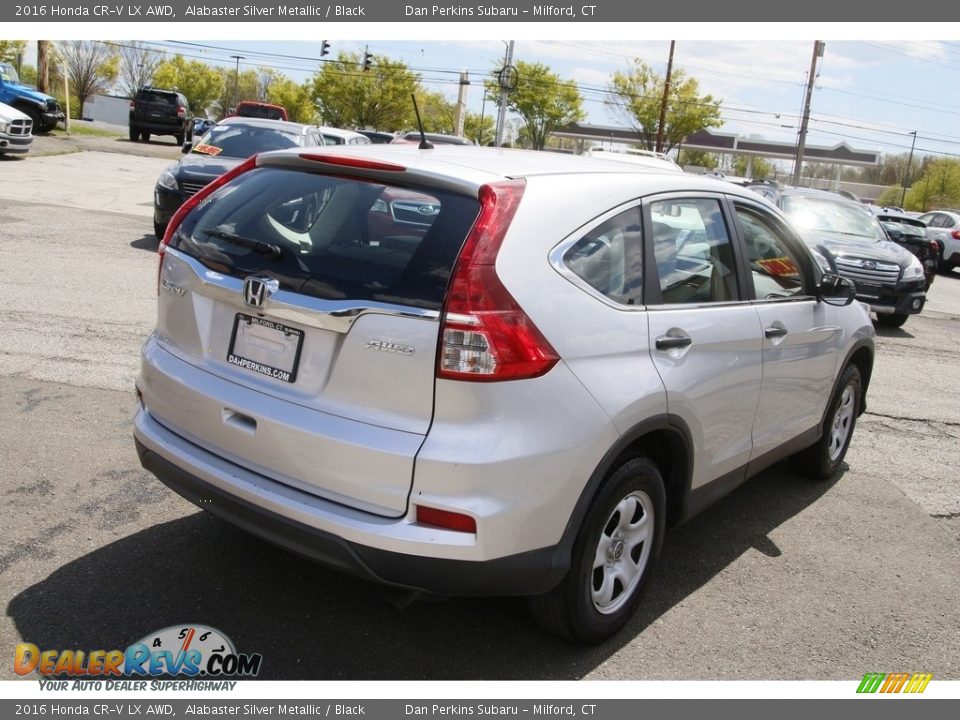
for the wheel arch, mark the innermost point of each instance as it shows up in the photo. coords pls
(665, 441)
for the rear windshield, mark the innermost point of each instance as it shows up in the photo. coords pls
(159, 97)
(242, 141)
(330, 237)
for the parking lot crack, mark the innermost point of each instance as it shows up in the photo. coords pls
(904, 418)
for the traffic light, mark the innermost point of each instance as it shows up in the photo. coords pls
(324, 48)
(367, 61)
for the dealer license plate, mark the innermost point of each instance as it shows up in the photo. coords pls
(265, 347)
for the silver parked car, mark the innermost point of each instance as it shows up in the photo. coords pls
(467, 371)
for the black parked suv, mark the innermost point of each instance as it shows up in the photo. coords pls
(155, 111)
(847, 239)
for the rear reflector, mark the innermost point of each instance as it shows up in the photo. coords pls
(353, 162)
(196, 199)
(446, 519)
(486, 336)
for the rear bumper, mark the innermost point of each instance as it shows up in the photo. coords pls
(526, 573)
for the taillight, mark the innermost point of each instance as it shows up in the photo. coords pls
(181, 112)
(196, 199)
(485, 335)
(955, 234)
(132, 105)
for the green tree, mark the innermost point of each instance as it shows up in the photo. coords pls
(698, 158)
(438, 113)
(10, 50)
(635, 96)
(938, 186)
(543, 100)
(890, 196)
(91, 67)
(294, 97)
(480, 129)
(199, 83)
(761, 168)
(347, 96)
(235, 87)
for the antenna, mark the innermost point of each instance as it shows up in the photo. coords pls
(424, 143)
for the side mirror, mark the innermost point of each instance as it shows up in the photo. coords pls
(836, 290)
(187, 147)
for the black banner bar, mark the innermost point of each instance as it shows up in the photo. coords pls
(555, 709)
(525, 11)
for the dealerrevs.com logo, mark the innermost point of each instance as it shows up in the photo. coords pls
(887, 683)
(192, 651)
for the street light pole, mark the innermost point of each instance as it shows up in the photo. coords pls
(666, 97)
(502, 114)
(236, 81)
(906, 180)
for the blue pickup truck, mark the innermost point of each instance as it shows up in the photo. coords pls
(43, 109)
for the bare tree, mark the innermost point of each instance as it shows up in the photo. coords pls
(137, 65)
(91, 67)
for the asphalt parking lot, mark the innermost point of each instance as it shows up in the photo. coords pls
(783, 579)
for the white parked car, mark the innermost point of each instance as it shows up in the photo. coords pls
(473, 371)
(944, 227)
(338, 136)
(16, 131)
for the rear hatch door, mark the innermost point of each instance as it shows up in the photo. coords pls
(310, 303)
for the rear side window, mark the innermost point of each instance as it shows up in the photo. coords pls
(609, 258)
(332, 237)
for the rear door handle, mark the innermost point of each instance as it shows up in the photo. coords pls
(773, 332)
(666, 342)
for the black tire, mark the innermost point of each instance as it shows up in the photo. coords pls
(144, 136)
(892, 321)
(159, 230)
(134, 134)
(179, 139)
(577, 609)
(822, 459)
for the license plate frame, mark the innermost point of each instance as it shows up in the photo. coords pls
(263, 345)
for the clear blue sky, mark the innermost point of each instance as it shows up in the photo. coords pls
(869, 93)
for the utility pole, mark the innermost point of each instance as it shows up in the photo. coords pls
(504, 87)
(663, 103)
(236, 81)
(43, 65)
(461, 103)
(906, 180)
(818, 46)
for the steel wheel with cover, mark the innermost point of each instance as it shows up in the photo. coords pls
(822, 459)
(614, 554)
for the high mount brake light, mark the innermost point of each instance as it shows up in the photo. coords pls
(353, 162)
(196, 199)
(486, 336)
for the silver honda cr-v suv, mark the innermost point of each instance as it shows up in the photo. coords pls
(466, 371)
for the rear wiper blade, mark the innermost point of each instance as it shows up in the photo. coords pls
(264, 248)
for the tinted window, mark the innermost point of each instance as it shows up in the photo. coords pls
(692, 248)
(242, 141)
(774, 268)
(332, 238)
(609, 258)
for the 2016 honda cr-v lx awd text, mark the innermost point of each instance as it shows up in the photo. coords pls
(466, 371)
